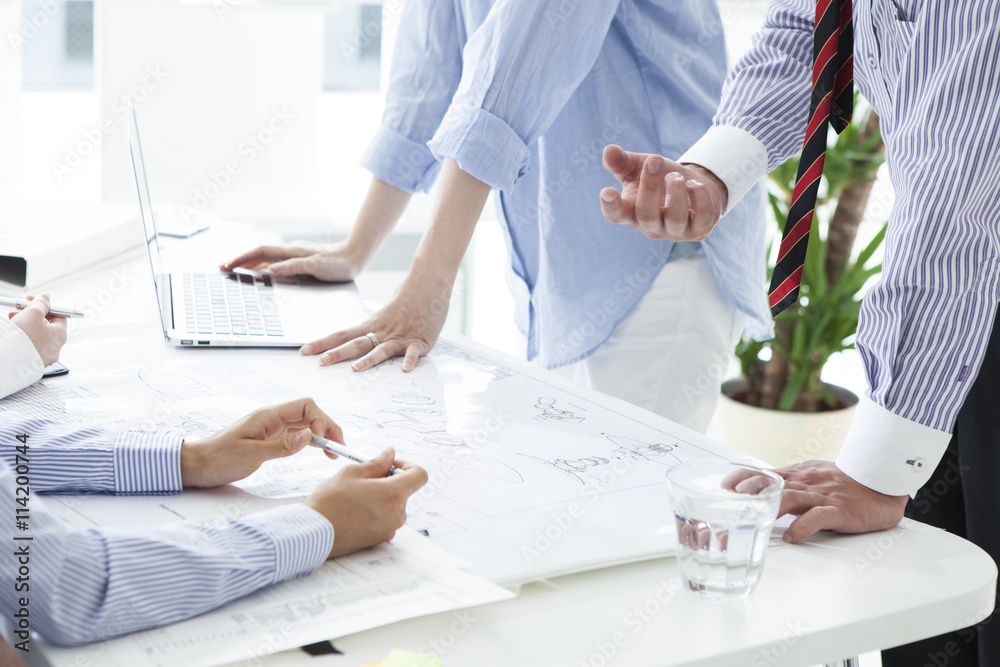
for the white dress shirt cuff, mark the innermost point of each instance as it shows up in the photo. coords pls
(302, 538)
(735, 156)
(20, 364)
(888, 453)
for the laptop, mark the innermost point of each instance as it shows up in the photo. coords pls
(241, 309)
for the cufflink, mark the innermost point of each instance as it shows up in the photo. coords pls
(918, 464)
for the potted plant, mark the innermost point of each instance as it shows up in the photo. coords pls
(780, 410)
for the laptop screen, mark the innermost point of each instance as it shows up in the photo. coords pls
(160, 279)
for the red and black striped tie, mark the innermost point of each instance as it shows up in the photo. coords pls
(832, 102)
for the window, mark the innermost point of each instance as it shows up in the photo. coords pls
(353, 48)
(58, 41)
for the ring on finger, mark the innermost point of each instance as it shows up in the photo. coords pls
(373, 338)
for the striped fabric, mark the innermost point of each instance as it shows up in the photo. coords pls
(832, 104)
(931, 70)
(86, 585)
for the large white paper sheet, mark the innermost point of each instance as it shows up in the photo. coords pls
(408, 577)
(530, 476)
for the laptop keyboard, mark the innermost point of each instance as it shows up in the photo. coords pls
(231, 304)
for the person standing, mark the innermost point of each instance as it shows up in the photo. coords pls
(928, 332)
(520, 97)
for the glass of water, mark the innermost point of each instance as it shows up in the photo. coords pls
(724, 514)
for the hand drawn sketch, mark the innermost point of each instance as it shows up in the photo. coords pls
(549, 412)
(636, 450)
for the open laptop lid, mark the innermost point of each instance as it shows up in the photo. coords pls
(160, 279)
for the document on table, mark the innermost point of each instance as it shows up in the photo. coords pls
(408, 577)
(530, 476)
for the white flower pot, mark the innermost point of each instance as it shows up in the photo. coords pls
(784, 438)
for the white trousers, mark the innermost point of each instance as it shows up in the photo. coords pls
(670, 355)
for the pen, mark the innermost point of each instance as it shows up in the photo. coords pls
(341, 450)
(21, 304)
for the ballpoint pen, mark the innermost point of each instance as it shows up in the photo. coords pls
(341, 450)
(21, 304)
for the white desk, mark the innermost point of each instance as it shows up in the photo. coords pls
(817, 603)
(834, 597)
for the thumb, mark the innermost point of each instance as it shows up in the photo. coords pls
(293, 267)
(40, 303)
(621, 163)
(378, 466)
(288, 444)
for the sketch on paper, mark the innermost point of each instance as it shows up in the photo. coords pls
(550, 412)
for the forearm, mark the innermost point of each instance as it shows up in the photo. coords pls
(380, 212)
(458, 207)
(85, 583)
(77, 459)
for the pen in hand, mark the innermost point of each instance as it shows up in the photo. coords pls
(341, 450)
(21, 304)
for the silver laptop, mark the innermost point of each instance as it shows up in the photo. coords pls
(251, 309)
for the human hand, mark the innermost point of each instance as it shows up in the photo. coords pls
(47, 334)
(825, 498)
(364, 505)
(269, 433)
(408, 325)
(661, 198)
(332, 262)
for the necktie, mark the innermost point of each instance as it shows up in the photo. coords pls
(832, 103)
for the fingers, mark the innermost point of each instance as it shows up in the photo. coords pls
(260, 257)
(733, 479)
(296, 266)
(675, 210)
(360, 346)
(333, 340)
(704, 212)
(39, 304)
(616, 209)
(650, 197)
(375, 467)
(623, 164)
(411, 479)
(303, 414)
(810, 523)
(290, 443)
(413, 354)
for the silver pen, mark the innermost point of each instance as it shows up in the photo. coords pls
(341, 450)
(21, 304)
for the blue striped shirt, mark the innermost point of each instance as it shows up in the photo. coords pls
(524, 96)
(86, 585)
(931, 70)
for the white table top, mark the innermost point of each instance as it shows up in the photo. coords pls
(833, 597)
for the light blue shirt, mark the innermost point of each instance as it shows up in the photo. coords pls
(525, 94)
(85, 585)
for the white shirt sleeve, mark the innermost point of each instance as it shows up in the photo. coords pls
(20, 364)
(715, 151)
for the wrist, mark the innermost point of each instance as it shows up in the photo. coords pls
(190, 463)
